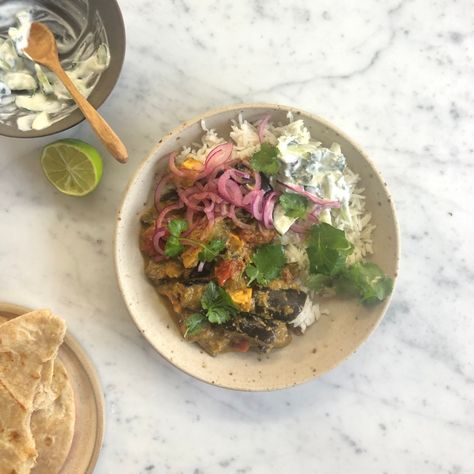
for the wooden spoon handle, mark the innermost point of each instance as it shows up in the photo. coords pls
(101, 127)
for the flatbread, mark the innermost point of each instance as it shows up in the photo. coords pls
(28, 344)
(44, 394)
(17, 446)
(53, 424)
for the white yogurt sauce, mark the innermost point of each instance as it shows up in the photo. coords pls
(31, 97)
(318, 169)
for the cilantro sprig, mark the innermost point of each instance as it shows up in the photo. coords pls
(368, 280)
(217, 308)
(218, 304)
(266, 160)
(294, 205)
(327, 251)
(266, 265)
(194, 324)
(174, 244)
(211, 250)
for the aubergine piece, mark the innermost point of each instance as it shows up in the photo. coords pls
(264, 333)
(170, 196)
(172, 270)
(192, 276)
(149, 217)
(265, 183)
(283, 304)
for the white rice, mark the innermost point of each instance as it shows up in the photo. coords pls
(310, 313)
(359, 233)
(295, 251)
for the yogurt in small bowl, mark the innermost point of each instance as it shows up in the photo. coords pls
(91, 46)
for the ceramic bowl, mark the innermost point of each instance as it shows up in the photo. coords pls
(102, 17)
(326, 343)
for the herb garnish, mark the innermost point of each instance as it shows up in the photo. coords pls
(368, 280)
(218, 308)
(218, 304)
(174, 246)
(266, 160)
(194, 324)
(267, 262)
(211, 250)
(318, 281)
(294, 205)
(328, 250)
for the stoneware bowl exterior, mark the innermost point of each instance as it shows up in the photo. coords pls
(325, 344)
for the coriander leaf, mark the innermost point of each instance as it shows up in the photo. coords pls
(173, 246)
(194, 324)
(211, 250)
(177, 226)
(369, 281)
(210, 295)
(252, 272)
(327, 249)
(267, 262)
(218, 315)
(294, 205)
(266, 159)
(218, 304)
(318, 282)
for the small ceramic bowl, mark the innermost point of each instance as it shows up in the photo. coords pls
(326, 343)
(110, 24)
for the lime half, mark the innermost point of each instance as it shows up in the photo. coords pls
(72, 166)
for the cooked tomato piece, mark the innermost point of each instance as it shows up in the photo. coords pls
(224, 271)
(227, 269)
(241, 346)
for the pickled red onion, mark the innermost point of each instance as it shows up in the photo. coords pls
(268, 209)
(160, 232)
(167, 210)
(160, 188)
(312, 197)
(236, 220)
(172, 165)
(217, 157)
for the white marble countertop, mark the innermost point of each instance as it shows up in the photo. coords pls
(398, 78)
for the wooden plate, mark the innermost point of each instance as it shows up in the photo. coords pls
(89, 427)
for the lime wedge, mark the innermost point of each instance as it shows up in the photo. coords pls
(72, 166)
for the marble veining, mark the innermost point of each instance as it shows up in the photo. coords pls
(397, 77)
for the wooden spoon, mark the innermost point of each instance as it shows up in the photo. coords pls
(42, 49)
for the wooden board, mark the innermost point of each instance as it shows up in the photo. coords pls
(89, 427)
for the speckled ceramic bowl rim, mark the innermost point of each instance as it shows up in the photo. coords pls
(238, 108)
(116, 62)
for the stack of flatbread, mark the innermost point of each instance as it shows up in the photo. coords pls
(37, 411)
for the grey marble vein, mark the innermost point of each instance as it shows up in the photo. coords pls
(398, 78)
